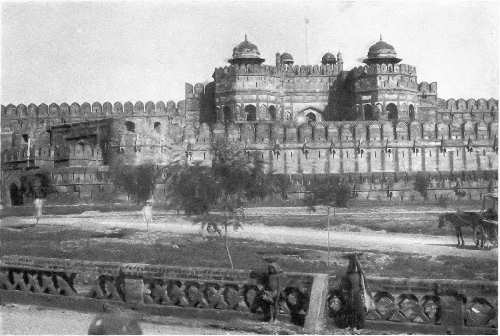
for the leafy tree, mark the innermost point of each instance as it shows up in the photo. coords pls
(280, 185)
(37, 185)
(233, 178)
(422, 182)
(329, 191)
(138, 181)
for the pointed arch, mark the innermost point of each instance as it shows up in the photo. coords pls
(392, 111)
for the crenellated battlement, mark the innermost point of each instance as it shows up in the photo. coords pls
(469, 105)
(425, 88)
(385, 68)
(283, 70)
(65, 113)
(350, 132)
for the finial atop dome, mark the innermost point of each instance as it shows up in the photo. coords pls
(246, 53)
(247, 40)
(382, 52)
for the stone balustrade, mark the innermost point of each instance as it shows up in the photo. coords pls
(411, 305)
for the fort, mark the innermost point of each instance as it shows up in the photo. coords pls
(375, 124)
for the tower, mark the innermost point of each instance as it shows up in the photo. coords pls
(384, 88)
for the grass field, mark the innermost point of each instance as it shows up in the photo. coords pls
(127, 245)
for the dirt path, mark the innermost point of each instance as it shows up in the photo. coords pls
(365, 240)
(33, 320)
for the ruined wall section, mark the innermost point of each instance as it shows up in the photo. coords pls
(139, 133)
(427, 101)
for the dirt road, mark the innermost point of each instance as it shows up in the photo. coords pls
(365, 240)
(33, 320)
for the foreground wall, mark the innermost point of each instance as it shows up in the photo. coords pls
(408, 305)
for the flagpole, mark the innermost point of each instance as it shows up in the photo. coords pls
(328, 228)
(306, 20)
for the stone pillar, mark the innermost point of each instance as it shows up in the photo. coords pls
(316, 314)
(134, 291)
(452, 314)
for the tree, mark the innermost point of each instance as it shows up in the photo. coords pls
(329, 191)
(280, 185)
(138, 181)
(422, 182)
(233, 178)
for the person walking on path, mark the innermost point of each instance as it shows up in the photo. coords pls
(147, 213)
(38, 204)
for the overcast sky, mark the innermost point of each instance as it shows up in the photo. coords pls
(118, 51)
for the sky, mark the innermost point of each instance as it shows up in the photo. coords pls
(145, 50)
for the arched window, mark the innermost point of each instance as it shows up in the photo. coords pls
(251, 112)
(272, 112)
(392, 111)
(16, 195)
(411, 112)
(157, 126)
(130, 126)
(369, 115)
(311, 117)
(228, 116)
(81, 146)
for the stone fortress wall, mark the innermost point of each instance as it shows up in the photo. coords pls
(160, 131)
(287, 113)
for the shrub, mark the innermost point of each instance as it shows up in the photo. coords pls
(328, 191)
(443, 201)
(422, 182)
(138, 181)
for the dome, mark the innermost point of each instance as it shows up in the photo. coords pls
(328, 58)
(382, 52)
(286, 58)
(245, 53)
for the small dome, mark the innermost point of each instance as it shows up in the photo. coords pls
(246, 52)
(286, 58)
(328, 58)
(382, 51)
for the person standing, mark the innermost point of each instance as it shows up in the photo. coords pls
(38, 204)
(268, 285)
(274, 287)
(354, 288)
(147, 213)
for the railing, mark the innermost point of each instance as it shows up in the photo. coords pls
(408, 305)
(141, 285)
(421, 305)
